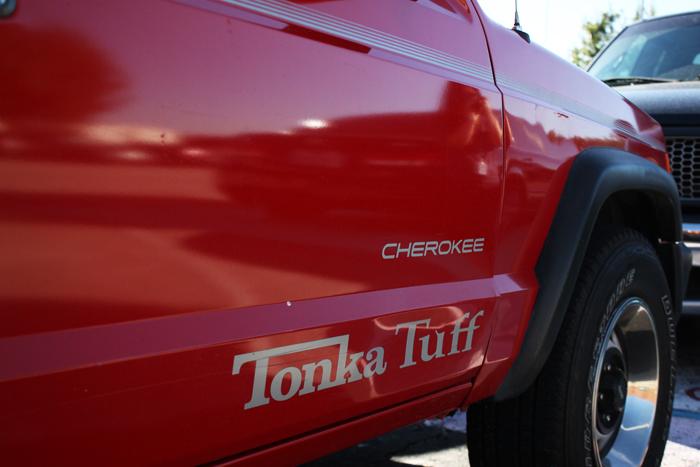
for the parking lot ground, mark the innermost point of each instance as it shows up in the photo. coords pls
(441, 443)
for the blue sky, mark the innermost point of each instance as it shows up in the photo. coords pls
(557, 24)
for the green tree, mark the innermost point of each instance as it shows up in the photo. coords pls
(598, 33)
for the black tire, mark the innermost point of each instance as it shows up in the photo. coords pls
(551, 424)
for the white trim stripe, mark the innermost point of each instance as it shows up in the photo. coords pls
(319, 21)
(571, 105)
(370, 37)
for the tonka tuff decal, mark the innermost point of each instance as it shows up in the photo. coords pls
(281, 383)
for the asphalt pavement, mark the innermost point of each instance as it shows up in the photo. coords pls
(441, 442)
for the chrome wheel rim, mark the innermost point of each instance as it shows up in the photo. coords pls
(626, 386)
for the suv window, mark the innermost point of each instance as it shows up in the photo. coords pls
(666, 48)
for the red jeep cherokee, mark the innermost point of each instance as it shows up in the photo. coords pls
(254, 232)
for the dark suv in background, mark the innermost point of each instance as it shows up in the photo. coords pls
(656, 65)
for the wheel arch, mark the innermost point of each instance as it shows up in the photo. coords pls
(604, 185)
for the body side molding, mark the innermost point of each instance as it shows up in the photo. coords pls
(596, 175)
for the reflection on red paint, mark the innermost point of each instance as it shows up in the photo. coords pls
(171, 200)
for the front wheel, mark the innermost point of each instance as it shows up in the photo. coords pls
(605, 394)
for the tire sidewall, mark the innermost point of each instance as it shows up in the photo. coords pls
(633, 270)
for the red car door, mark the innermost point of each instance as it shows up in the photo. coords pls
(228, 223)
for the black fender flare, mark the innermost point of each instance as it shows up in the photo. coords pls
(596, 174)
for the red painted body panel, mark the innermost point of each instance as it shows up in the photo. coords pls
(185, 182)
(354, 431)
(550, 117)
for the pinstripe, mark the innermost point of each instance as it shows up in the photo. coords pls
(570, 105)
(345, 29)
